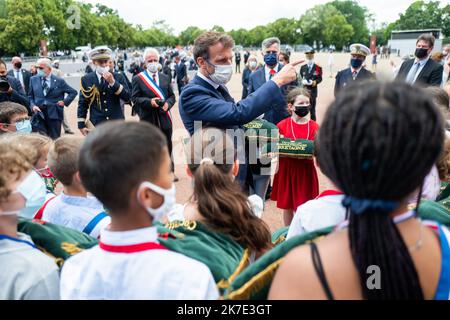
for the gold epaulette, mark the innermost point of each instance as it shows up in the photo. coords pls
(92, 94)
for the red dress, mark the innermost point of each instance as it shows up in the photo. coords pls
(296, 180)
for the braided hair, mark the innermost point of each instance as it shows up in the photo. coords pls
(379, 141)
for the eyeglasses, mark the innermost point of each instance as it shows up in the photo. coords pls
(40, 68)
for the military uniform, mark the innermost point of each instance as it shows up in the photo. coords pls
(352, 75)
(97, 96)
(311, 76)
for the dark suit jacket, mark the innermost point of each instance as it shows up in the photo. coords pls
(59, 90)
(257, 80)
(180, 72)
(18, 94)
(431, 74)
(141, 98)
(344, 78)
(314, 75)
(199, 101)
(26, 75)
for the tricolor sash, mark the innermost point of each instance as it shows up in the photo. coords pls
(153, 86)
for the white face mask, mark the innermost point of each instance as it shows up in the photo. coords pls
(169, 200)
(34, 191)
(102, 70)
(222, 73)
(252, 64)
(152, 67)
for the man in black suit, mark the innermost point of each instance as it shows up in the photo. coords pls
(153, 97)
(22, 75)
(180, 73)
(311, 74)
(14, 92)
(422, 70)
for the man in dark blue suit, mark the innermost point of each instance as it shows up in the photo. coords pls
(356, 73)
(14, 92)
(22, 75)
(49, 94)
(180, 73)
(100, 93)
(270, 51)
(205, 101)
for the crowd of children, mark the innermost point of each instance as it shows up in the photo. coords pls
(382, 146)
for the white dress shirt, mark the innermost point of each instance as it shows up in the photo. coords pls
(212, 83)
(19, 76)
(267, 71)
(422, 64)
(150, 274)
(316, 214)
(75, 213)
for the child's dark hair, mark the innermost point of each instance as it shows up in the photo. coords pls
(220, 200)
(379, 141)
(116, 157)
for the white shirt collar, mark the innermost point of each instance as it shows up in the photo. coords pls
(212, 83)
(267, 69)
(422, 62)
(125, 238)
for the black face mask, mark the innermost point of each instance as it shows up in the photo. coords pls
(301, 111)
(421, 53)
(18, 65)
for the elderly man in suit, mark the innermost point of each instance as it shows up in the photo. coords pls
(422, 70)
(205, 101)
(49, 94)
(153, 97)
(270, 52)
(21, 74)
(13, 90)
(357, 72)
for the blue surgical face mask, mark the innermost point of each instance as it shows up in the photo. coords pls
(356, 63)
(34, 191)
(271, 59)
(41, 73)
(23, 126)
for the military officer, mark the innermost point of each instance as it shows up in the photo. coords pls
(311, 74)
(100, 93)
(356, 72)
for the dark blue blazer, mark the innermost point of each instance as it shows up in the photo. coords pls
(180, 72)
(18, 94)
(199, 101)
(59, 91)
(344, 78)
(257, 80)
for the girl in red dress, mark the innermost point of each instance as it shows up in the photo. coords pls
(296, 180)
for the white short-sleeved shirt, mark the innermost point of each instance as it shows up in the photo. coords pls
(25, 272)
(75, 213)
(324, 211)
(126, 265)
(256, 204)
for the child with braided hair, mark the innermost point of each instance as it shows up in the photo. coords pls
(377, 144)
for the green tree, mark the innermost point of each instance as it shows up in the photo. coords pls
(326, 25)
(218, 28)
(188, 35)
(287, 30)
(357, 16)
(22, 30)
(424, 15)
